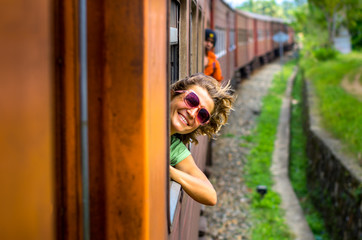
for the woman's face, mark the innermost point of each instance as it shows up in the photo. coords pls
(183, 118)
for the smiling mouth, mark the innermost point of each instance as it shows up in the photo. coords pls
(184, 119)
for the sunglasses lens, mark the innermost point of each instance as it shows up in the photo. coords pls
(203, 115)
(192, 99)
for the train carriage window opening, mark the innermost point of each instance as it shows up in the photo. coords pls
(231, 40)
(260, 34)
(191, 43)
(200, 39)
(242, 36)
(193, 38)
(184, 43)
(220, 47)
(251, 35)
(174, 40)
(183, 18)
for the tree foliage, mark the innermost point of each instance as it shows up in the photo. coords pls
(340, 12)
(271, 7)
(317, 19)
(264, 7)
(354, 22)
(330, 9)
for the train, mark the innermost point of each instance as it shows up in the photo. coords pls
(84, 111)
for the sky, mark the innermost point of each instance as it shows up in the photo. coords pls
(234, 3)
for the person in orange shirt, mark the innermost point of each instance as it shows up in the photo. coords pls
(211, 64)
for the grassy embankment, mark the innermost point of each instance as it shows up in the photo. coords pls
(341, 111)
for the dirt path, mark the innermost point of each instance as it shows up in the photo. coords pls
(294, 216)
(229, 218)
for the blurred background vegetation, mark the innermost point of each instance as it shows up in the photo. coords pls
(316, 22)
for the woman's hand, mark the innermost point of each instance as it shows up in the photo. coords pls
(194, 181)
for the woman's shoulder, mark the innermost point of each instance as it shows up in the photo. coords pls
(211, 55)
(178, 150)
(174, 138)
(175, 141)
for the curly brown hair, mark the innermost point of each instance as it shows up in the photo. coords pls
(223, 97)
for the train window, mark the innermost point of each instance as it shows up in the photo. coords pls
(183, 28)
(200, 39)
(260, 34)
(245, 35)
(242, 36)
(175, 197)
(191, 41)
(251, 35)
(175, 193)
(231, 40)
(174, 40)
(220, 48)
(193, 38)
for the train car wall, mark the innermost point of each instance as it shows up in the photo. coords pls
(127, 128)
(242, 43)
(220, 14)
(27, 170)
(128, 94)
(270, 41)
(231, 48)
(68, 192)
(251, 42)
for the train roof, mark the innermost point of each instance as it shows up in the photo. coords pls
(227, 5)
(261, 17)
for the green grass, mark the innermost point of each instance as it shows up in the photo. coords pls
(355, 73)
(341, 112)
(299, 163)
(267, 216)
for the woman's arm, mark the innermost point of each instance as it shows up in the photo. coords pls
(194, 181)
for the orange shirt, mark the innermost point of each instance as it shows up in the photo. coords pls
(213, 68)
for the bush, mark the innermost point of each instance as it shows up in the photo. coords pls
(323, 54)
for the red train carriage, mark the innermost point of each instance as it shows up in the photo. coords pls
(242, 40)
(251, 39)
(222, 18)
(269, 40)
(84, 130)
(231, 45)
(258, 29)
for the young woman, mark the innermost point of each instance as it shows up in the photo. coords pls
(199, 106)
